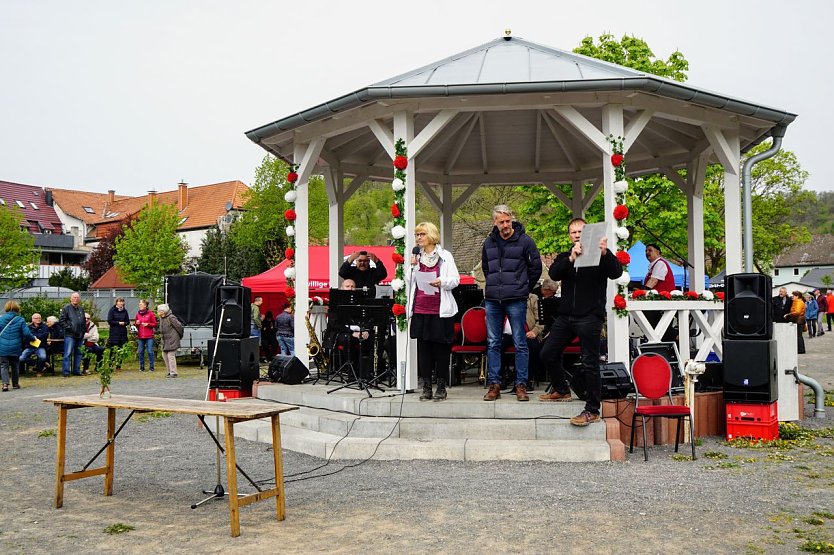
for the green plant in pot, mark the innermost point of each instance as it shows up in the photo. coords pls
(110, 360)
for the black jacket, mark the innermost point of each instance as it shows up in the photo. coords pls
(583, 289)
(72, 321)
(367, 279)
(118, 332)
(511, 273)
(781, 306)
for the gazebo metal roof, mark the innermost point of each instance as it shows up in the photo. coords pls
(539, 77)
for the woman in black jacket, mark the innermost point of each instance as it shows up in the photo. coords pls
(119, 321)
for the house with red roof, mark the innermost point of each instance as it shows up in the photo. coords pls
(58, 247)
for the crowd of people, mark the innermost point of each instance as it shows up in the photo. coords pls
(810, 311)
(74, 336)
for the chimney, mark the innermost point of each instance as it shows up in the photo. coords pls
(182, 196)
(151, 198)
(111, 196)
(48, 197)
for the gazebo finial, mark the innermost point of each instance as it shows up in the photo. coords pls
(508, 33)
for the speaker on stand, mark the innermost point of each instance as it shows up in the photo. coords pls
(749, 358)
(232, 311)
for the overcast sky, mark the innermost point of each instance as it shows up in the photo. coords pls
(134, 96)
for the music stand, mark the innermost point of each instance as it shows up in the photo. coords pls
(366, 318)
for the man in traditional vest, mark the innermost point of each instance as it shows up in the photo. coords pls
(659, 276)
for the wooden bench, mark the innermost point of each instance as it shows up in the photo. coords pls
(230, 412)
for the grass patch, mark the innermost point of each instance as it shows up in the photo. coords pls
(813, 520)
(723, 465)
(46, 433)
(715, 455)
(816, 546)
(144, 417)
(824, 514)
(118, 528)
(681, 457)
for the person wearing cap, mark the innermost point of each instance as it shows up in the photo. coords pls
(363, 275)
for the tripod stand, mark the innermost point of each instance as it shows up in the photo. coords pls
(213, 376)
(366, 318)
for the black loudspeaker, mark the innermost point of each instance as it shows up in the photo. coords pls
(750, 371)
(747, 310)
(287, 369)
(616, 381)
(238, 360)
(232, 311)
(712, 379)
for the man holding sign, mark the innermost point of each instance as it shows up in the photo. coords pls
(581, 313)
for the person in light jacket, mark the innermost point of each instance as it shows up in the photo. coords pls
(171, 330)
(432, 311)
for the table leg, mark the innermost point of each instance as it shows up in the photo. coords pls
(61, 456)
(279, 467)
(111, 451)
(231, 476)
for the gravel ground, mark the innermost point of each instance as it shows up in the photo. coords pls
(753, 501)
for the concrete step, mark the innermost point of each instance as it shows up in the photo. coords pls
(322, 445)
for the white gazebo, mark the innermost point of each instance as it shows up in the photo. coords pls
(512, 112)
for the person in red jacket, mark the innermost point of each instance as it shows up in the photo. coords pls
(829, 313)
(145, 324)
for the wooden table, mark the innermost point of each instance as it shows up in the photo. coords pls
(230, 412)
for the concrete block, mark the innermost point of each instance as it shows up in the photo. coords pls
(537, 450)
(398, 449)
(553, 429)
(463, 428)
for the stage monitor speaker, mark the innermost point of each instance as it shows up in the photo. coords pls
(238, 359)
(287, 369)
(615, 379)
(712, 379)
(750, 370)
(747, 310)
(232, 306)
(669, 351)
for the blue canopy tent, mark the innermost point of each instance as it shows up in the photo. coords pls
(640, 265)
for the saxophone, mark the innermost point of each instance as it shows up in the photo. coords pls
(314, 348)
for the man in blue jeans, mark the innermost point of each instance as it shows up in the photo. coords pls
(512, 267)
(73, 322)
(581, 314)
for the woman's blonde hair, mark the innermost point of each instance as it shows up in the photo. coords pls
(11, 306)
(432, 234)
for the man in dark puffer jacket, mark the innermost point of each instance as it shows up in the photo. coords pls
(512, 267)
(581, 313)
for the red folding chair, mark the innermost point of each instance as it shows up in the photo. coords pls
(473, 332)
(652, 378)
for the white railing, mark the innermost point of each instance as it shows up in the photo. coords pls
(708, 317)
(45, 271)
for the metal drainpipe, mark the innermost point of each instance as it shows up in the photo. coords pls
(747, 215)
(819, 394)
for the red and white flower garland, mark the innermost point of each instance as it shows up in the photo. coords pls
(290, 215)
(620, 214)
(398, 233)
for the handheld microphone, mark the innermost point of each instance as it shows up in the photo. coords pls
(416, 252)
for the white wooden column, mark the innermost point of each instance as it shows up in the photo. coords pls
(406, 367)
(333, 179)
(446, 224)
(695, 176)
(725, 143)
(612, 124)
(306, 156)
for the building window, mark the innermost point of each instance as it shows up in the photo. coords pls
(35, 206)
(3, 202)
(796, 271)
(182, 221)
(20, 204)
(89, 210)
(776, 272)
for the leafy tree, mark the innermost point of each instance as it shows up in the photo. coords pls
(633, 52)
(151, 248)
(17, 250)
(261, 226)
(41, 304)
(66, 278)
(220, 255)
(101, 258)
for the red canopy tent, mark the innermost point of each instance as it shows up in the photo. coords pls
(272, 284)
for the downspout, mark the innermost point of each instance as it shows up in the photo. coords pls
(747, 191)
(819, 395)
